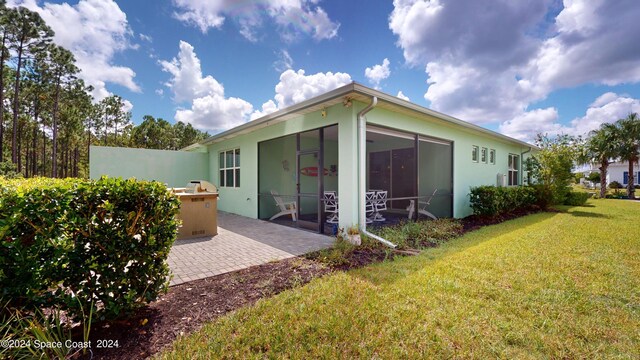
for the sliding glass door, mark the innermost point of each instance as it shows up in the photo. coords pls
(297, 168)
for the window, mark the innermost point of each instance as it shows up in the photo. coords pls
(492, 156)
(513, 169)
(474, 153)
(229, 168)
(484, 154)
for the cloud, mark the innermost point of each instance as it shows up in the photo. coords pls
(607, 108)
(186, 80)
(267, 108)
(292, 17)
(295, 87)
(486, 61)
(94, 31)
(146, 38)
(210, 109)
(526, 125)
(377, 73)
(402, 96)
(284, 62)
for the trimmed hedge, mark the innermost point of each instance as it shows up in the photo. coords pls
(72, 244)
(575, 198)
(493, 201)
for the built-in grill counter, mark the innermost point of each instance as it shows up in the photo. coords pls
(198, 210)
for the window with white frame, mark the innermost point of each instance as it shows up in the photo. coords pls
(514, 161)
(475, 153)
(492, 156)
(484, 155)
(229, 168)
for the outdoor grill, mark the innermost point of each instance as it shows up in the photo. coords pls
(198, 209)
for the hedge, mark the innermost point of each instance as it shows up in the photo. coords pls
(493, 201)
(71, 244)
(575, 198)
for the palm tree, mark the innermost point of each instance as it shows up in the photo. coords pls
(601, 148)
(630, 146)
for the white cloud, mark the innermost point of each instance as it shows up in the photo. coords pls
(378, 72)
(284, 62)
(526, 125)
(94, 31)
(186, 80)
(215, 113)
(145, 37)
(486, 61)
(159, 92)
(607, 108)
(293, 17)
(402, 96)
(295, 87)
(267, 108)
(210, 109)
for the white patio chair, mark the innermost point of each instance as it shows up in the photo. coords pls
(369, 206)
(331, 206)
(422, 207)
(380, 205)
(286, 208)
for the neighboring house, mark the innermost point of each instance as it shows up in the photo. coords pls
(314, 146)
(618, 171)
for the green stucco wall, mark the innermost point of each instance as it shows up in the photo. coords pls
(244, 199)
(175, 168)
(466, 173)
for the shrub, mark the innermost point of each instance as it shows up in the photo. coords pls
(594, 177)
(615, 185)
(493, 201)
(421, 234)
(575, 198)
(77, 244)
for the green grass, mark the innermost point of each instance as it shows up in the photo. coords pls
(549, 285)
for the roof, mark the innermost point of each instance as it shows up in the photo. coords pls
(354, 91)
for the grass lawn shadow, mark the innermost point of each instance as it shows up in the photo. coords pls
(588, 214)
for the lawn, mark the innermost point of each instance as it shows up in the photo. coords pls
(549, 285)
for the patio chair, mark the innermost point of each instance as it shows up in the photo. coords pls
(331, 206)
(380, 205)
(369, 206)
(422, 207)
(286, 208)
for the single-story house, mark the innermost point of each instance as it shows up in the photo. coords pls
(346, 142)
(617, 171)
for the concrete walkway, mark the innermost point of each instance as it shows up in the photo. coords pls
(241, 242)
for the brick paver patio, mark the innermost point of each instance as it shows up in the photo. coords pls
(241, 242)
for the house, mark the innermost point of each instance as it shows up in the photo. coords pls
(347, 141)
(617, 171)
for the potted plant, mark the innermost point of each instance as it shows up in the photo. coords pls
(353, 235)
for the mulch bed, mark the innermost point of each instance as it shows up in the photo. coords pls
(187, 307)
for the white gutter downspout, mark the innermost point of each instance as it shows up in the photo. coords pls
(522, 164)
(362, 170)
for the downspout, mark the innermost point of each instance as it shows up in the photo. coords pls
(521, 162)
(362, 169)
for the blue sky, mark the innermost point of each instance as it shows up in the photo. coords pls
(517, 67)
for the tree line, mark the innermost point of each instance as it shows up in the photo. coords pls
(48, 118)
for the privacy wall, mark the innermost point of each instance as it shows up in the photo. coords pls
(175, 168)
